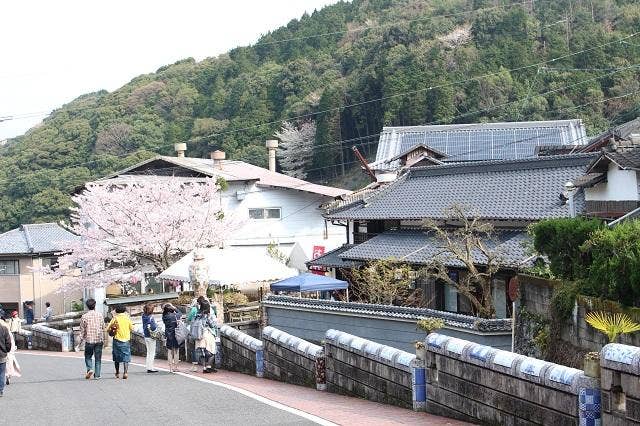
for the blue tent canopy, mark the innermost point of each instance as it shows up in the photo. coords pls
(309, 282)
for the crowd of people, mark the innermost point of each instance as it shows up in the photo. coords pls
(200, 327)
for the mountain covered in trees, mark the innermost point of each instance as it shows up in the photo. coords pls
(344, 72)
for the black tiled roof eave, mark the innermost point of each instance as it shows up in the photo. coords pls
(399, 312)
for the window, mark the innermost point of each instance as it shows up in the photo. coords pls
(51, 262)
(270, 213)
(9, 267)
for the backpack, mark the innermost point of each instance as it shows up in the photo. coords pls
(196, 332)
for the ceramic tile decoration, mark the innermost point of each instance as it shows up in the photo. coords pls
(388, 353)
(344, 338)
(480, 352)
(620, 353)
(505, 358)
(562, 374)
(436, 340)
(358, 343)
(405, 358)
(456, 345)
(532, 366)
(331, 334)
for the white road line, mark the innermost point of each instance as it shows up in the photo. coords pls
(274, 404)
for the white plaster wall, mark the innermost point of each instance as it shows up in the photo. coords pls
(300, 220)
(621, 185)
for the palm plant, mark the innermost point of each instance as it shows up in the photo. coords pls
(612, 324)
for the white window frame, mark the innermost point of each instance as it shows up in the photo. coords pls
(264, 213)
(16, 267)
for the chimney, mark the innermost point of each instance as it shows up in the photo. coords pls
(180, 149)
(217, 157)
(272, 144)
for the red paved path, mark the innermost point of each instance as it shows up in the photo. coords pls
(339, 409)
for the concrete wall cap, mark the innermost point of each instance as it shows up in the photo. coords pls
(619, 357)
(385, 354)
(241, 338)
(47, 330)
(293, 343)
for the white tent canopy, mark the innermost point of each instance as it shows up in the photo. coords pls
(237, 265)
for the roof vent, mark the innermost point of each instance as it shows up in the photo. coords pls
(180, 149)
(217, 157)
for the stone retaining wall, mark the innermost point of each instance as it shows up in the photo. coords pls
(241, 352)
(359, 367)
(620, 377)
(481, 384)
(49, 339)
(290, 359)
(395, 326)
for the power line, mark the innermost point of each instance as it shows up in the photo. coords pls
(412, 92)
(430, 123)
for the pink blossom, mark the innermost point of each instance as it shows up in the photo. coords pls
(140, 226)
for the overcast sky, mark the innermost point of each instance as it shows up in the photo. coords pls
(54, 51)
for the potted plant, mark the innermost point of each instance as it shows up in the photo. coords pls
(421, 350)
(612, 326)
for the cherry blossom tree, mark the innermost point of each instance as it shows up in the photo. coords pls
(136, 224)
(296, 147)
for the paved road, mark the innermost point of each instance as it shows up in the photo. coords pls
(53, 391)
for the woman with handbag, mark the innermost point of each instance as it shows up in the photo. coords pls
(120, 329)
(170, 318)
(149, 328)
(205, 346)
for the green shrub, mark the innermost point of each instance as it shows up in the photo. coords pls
(561, 240)
(563, 300)
(614, 272)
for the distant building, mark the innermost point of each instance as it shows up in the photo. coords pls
(385, 220)
(274, 208)
(612, 181)
(474, 142)
(23, 251)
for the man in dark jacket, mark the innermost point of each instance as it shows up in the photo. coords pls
(5, 347)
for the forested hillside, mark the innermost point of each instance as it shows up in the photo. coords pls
(349, 68)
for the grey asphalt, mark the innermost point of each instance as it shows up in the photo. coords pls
(53, 391)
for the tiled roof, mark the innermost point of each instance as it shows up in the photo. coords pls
(621, 132)
(628, 159)
(233, 171)
(419, 247)
(481, 141)
(332, 259)
(387, 311)
(526, 189)
(35, 238)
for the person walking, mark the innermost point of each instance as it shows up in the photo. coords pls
(205, 347)
(121, 326)
(12, 366)
(15, 324)
(149, 325)
(5, 348)
(92, 333)
(29, 316)
(48, 313)
(170, 319)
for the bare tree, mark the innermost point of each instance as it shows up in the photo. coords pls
(466, 244)
(296, 147)
(115, 139)
(382, 281)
